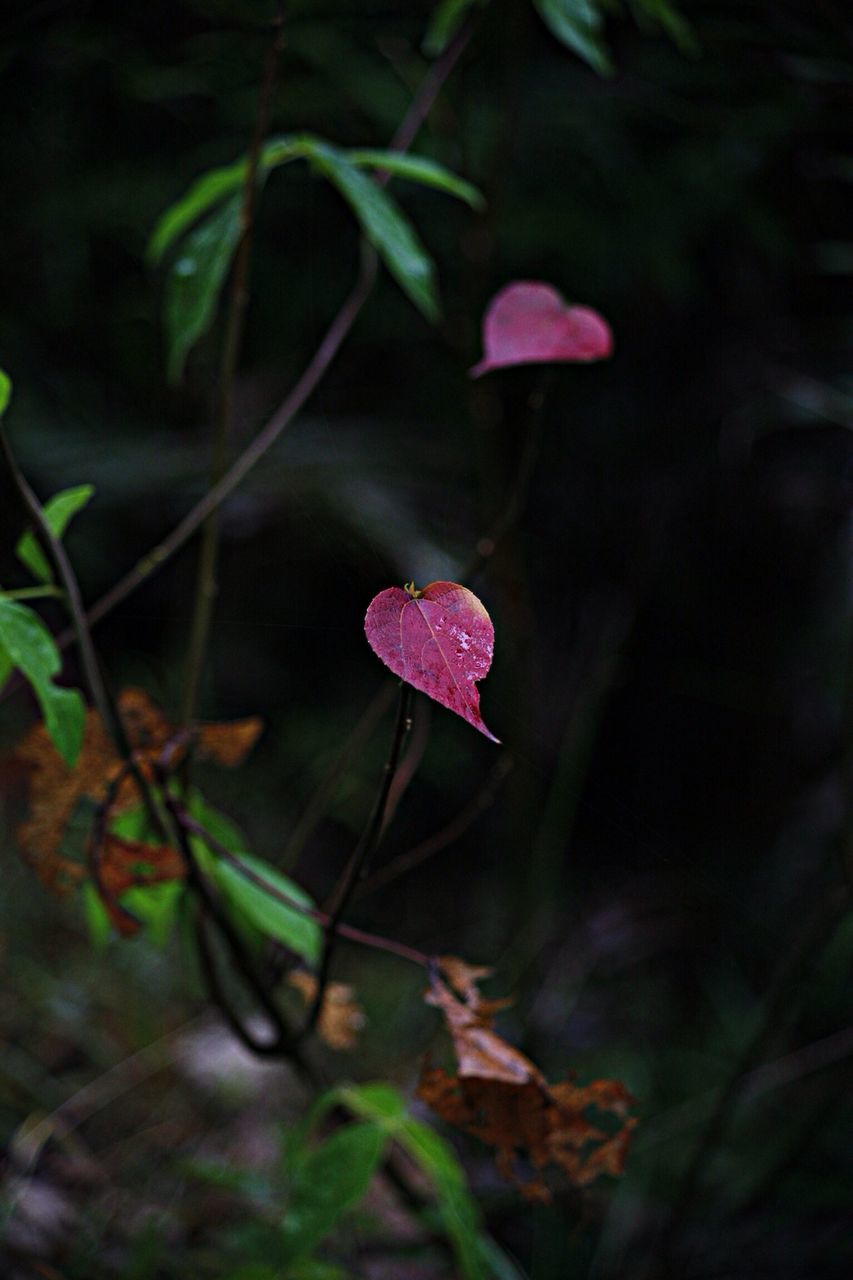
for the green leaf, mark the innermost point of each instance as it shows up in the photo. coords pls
(195, 280)
(457, 1209)
(209, 190)
(97, 920)
(205, 192)
(384, 224)
(375, 1101)
(5, 391)
(667, 16)
(446, 20)
(30, 647)
(269, 916)
(58, 511)
(578, 25)
(6, 666)
(156, 906)
(418, 169)
(329, 1180)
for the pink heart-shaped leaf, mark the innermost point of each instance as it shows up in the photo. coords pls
(440, 640)
(529, 323)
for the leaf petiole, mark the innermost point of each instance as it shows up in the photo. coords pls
(36, 593)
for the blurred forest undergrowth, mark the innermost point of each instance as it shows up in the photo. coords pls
(656, 863)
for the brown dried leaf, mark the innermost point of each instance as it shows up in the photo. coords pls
(479, 1051)
(501, 1097)
(123, 864)
(341, 1016)
(55, 790)
(229, 744)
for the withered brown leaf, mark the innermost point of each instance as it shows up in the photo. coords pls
(55, 790)
(502, 1098)
(123, 864)
(341, 1016)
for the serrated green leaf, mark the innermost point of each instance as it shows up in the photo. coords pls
(329, 1180)
(195, 279)
(384, 225)
(30, 647)
(447, 18)
(578, 24)
(58, 512)
(5, 391)
(418, 169)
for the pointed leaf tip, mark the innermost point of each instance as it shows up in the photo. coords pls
(528, 322)
(440, 641)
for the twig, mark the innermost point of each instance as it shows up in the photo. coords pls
(324, 793)
(283, 1043)
(434, 844)
(362, 855)
(360, 936)
(239, 299)
(517, 497)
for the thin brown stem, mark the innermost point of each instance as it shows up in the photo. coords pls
(516, 498)
(360, 936)
(362, 856)
(324, 793)
(235, 324)
(406, 862)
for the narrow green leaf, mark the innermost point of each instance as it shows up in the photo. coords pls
(459, 1213)
(447, 18)
(58, 511)
(6, 666)
(195, 280)
(329, 1180)
(384, 224)
(477, 1254)
(30, 647)
(375, 1101)
(5, 391)
(205, 192)
(268, 915)
(64, 714)
(97, 919)
(666, 15)
(418, 169)
(209, 190)
(156, 906)
(578, 24)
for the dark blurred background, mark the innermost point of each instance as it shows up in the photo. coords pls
(650, 863)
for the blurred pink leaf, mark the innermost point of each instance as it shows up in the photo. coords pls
(529, 323)
(440, 640)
